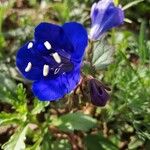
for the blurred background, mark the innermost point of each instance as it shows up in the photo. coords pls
(124, 123)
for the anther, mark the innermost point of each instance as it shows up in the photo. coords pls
(56, 70)
(28, 68)
(56, 57)
(30, 45)
(45, 70)
(47, 45)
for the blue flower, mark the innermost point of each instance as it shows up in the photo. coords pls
(104, 16)
(52, 59)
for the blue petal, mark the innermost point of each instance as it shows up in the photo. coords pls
(51, 90)
(72, 78)
(24, 56)
(78, 37)
(38, 57)
(54, 34)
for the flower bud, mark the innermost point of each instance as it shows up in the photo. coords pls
(98, 93)
(104, 16)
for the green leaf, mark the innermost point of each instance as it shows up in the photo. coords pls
(62, 15)
(92, 142)
(6, 118)
(143, 50)
(132, 4)
(102, 56)
(95, 142)
(75, 121)
(20, 103)
(16, 142)
(7, 86)
(39, 106)
(46, 143)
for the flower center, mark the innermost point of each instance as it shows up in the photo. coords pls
(54, 62)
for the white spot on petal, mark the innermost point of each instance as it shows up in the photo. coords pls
(56, 57)
(47, 45)
(28, 68)
(30, 45)
(45, 70)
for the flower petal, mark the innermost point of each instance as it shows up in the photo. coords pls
(51, 90)
(24, 56)
(54, 34)
(38, 57)
(78, 37)
(72, 78)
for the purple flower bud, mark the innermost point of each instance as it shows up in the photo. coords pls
(104, 16)
(98, 93)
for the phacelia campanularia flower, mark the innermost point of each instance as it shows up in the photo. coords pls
(98, 93)
(52, 59)
(104, 16)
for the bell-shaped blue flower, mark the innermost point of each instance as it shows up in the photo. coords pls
(52, 59)
(104, 16)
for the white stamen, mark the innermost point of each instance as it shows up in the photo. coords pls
(47, 45)
(30, 45)
(45, 70)
(56, 57)
(28, 68)
(56, 70)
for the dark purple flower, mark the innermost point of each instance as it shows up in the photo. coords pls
(52, 59)
(104, 16)
(98, 93)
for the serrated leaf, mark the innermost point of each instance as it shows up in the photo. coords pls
(102, 56)
(20, 102)
(76, 121)
(39, 106)
(16, 141)
(21, 92)
(6, 118)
